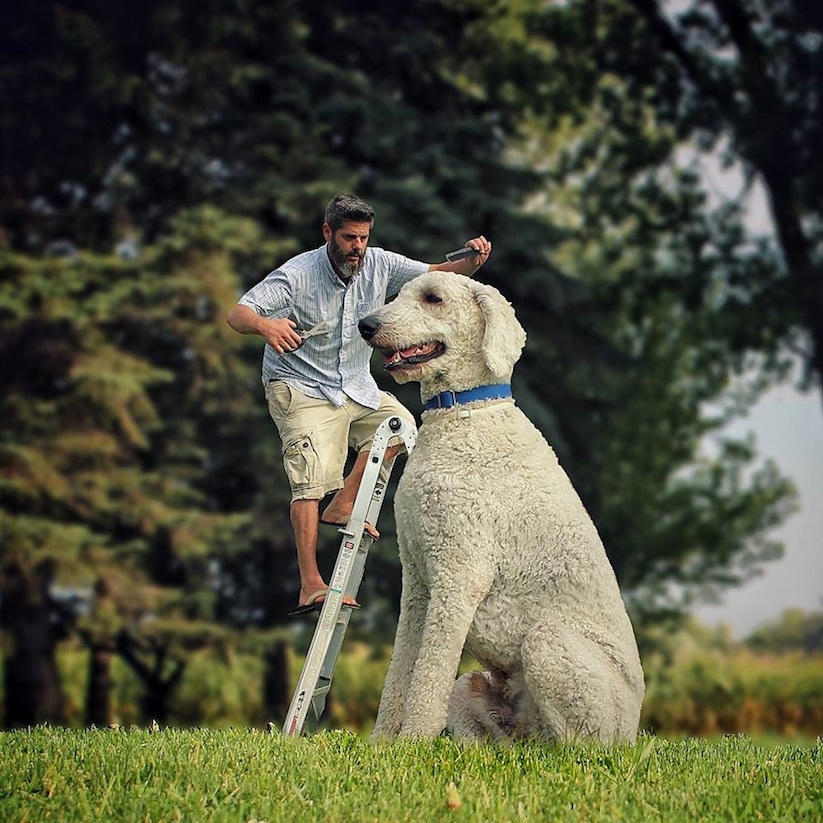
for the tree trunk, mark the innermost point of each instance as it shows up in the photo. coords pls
(150, 661)
(99, 689)
(277, 682)
(32, 632)
(155, 702)
(797, 251)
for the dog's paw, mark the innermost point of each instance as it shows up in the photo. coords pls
(383, 735)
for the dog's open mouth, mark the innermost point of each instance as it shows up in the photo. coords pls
(412, 356)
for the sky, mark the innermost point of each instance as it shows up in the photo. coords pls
(788, 427)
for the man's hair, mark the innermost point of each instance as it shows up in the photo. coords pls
(348, 208)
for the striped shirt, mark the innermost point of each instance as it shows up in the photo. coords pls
(306, 288)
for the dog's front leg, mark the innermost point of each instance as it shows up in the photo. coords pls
(413, 605)
(449, 616)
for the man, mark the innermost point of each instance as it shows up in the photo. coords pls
(320, 391)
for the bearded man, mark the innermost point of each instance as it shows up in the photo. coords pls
(316, 376)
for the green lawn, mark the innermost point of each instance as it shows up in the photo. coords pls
(337, 777)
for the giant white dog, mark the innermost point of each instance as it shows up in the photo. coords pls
(498, 553)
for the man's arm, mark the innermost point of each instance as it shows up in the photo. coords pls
(468, 265)
(280, 334)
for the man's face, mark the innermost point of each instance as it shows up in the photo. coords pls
(347, 247)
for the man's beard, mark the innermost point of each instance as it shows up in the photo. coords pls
(347, 266)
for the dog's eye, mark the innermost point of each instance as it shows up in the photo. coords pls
(431, 297)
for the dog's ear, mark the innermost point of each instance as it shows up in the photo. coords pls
(504, 337)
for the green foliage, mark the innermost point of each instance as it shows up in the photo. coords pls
(715, 692)
(111, 370)
(126, 694)
(268, 108)
(358, 684)
(127, 402)
(736, 81)
(795, 630)
(220, 690)
(699, 682)
(242, 775)
(691, 689)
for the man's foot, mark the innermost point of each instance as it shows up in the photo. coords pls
(367, 527)
(338, 512)
(314, 602)
(317, 595)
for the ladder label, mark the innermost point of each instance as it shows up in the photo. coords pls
(296, 713)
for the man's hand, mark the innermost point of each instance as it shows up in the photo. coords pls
(468, 265)
(281, 334)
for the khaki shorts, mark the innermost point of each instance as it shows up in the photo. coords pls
(316, 435)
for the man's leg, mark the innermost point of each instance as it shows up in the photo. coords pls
(365, 422)
(340, 508)
(304, 520)
(313, 464)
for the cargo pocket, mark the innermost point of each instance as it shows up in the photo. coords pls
(302, 465)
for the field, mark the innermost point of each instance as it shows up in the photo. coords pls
(247, 775)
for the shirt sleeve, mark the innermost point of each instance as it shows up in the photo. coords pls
(401, 270)
(270, 296)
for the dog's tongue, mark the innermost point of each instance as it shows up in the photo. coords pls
(412, 350)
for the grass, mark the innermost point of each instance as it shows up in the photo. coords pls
(336, 777)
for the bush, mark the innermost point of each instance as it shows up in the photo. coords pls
(691, 689)
(710, 692)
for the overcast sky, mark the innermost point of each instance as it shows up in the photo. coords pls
(789, 429)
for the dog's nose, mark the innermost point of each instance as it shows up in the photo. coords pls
(368, 327)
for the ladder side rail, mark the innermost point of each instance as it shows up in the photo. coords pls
(355, 576)
(390, 428)
(331, 626)
(381, 476)
(310, 674)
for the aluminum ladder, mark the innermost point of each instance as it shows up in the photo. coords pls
(321, 658)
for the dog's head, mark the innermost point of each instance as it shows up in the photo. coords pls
(446, 332)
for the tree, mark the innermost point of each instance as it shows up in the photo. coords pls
(766, 102)
(650, 347)
(31, 681)
(739, 80)
(113, 370)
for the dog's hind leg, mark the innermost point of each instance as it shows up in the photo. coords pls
(576, 687)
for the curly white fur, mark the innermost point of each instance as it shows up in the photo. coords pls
(498, 553)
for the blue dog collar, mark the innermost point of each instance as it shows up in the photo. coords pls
(447, 399)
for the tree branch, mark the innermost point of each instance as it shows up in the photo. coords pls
(706, 84)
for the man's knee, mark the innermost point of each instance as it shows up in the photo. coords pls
(390, 406)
